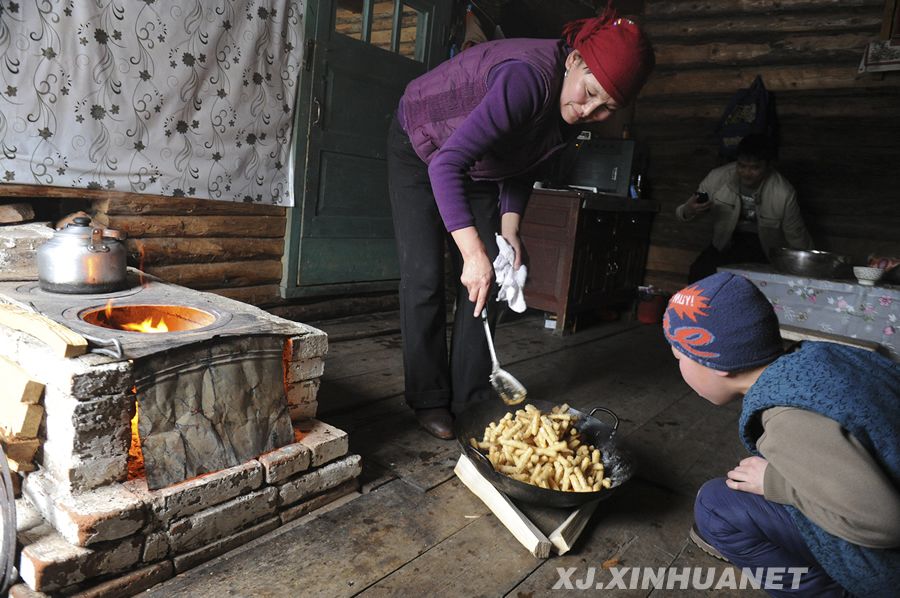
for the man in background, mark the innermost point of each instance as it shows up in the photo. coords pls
(753, 207)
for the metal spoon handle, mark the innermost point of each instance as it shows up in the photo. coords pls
(490, 340)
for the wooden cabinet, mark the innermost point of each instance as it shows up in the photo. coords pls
(585, 251)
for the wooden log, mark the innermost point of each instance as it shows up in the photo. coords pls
(794, 133)
(12, 213)
(777, 78)
(792, 49)
(17, 467)
(196, 226)
(20, 448)
(260, 295)
(509, 515)
(20, 419)
(151, 251)
(134, 205)
(220, 275)
(842, 104)
(739, 24)
(680, 8)
(17, 385)
(565, 536)
(60, 339)
(38, 192)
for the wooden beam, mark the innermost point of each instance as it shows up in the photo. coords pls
(136, 205)
(564, 536)
(776, 78)
(813, 48)
(742, 24)
(259, 295)
(509, 515)
(20, 448)
(679, 8)
(152, 251)
(151, 201)
(60, 339)
(220, 275)
(196, 226)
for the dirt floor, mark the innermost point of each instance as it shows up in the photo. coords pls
(415, 530)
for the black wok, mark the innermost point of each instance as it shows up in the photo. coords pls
(617, 464)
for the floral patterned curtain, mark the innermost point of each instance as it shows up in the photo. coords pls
(168, 97)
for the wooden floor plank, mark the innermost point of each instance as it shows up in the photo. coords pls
(480, 561)
(344, 550)
(408, 451)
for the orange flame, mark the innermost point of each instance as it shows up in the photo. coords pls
(147, 326)
(135, 454)
(108, 309)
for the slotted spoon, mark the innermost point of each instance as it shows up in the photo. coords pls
(511, 391)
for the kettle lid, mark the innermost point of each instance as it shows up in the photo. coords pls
(79, 228)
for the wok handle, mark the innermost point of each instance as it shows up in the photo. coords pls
(609, 411)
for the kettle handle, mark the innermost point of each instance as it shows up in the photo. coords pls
(117, 235)
(97, 245)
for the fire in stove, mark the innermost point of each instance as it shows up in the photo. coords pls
(153, 319)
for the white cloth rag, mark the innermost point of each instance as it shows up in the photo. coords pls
(511, 281)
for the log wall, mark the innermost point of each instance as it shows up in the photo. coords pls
(233, 249)
(839, 134)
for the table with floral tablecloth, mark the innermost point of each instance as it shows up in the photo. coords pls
(841, 307)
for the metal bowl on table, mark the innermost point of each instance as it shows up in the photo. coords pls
(812, 263)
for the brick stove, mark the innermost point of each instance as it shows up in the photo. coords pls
(163, 450)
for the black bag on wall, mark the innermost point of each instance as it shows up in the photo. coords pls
(750, 110)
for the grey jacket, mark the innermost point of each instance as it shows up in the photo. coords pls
(778, 215)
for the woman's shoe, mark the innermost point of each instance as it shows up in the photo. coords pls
(437, 421)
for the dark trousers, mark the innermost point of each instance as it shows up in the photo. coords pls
(751, 531)
(744, 248)
(432, 378)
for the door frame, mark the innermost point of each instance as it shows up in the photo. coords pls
(438, 28)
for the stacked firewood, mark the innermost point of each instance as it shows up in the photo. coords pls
(20, 418)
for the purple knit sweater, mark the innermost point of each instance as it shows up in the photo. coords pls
(515, 98)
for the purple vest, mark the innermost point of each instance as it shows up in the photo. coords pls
(436, 103)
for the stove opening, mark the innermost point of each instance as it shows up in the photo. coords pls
(135, 454)
(153, 319)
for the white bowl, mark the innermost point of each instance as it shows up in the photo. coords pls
(867, 276)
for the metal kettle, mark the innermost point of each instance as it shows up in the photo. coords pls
(81, 258)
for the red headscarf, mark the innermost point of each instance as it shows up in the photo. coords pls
(616, 50)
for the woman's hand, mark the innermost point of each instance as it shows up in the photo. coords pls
(509, 230)
(478, 271)
(748, 475)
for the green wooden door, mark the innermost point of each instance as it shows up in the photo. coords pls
(360, 56)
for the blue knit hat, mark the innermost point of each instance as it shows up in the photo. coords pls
(723, 322)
